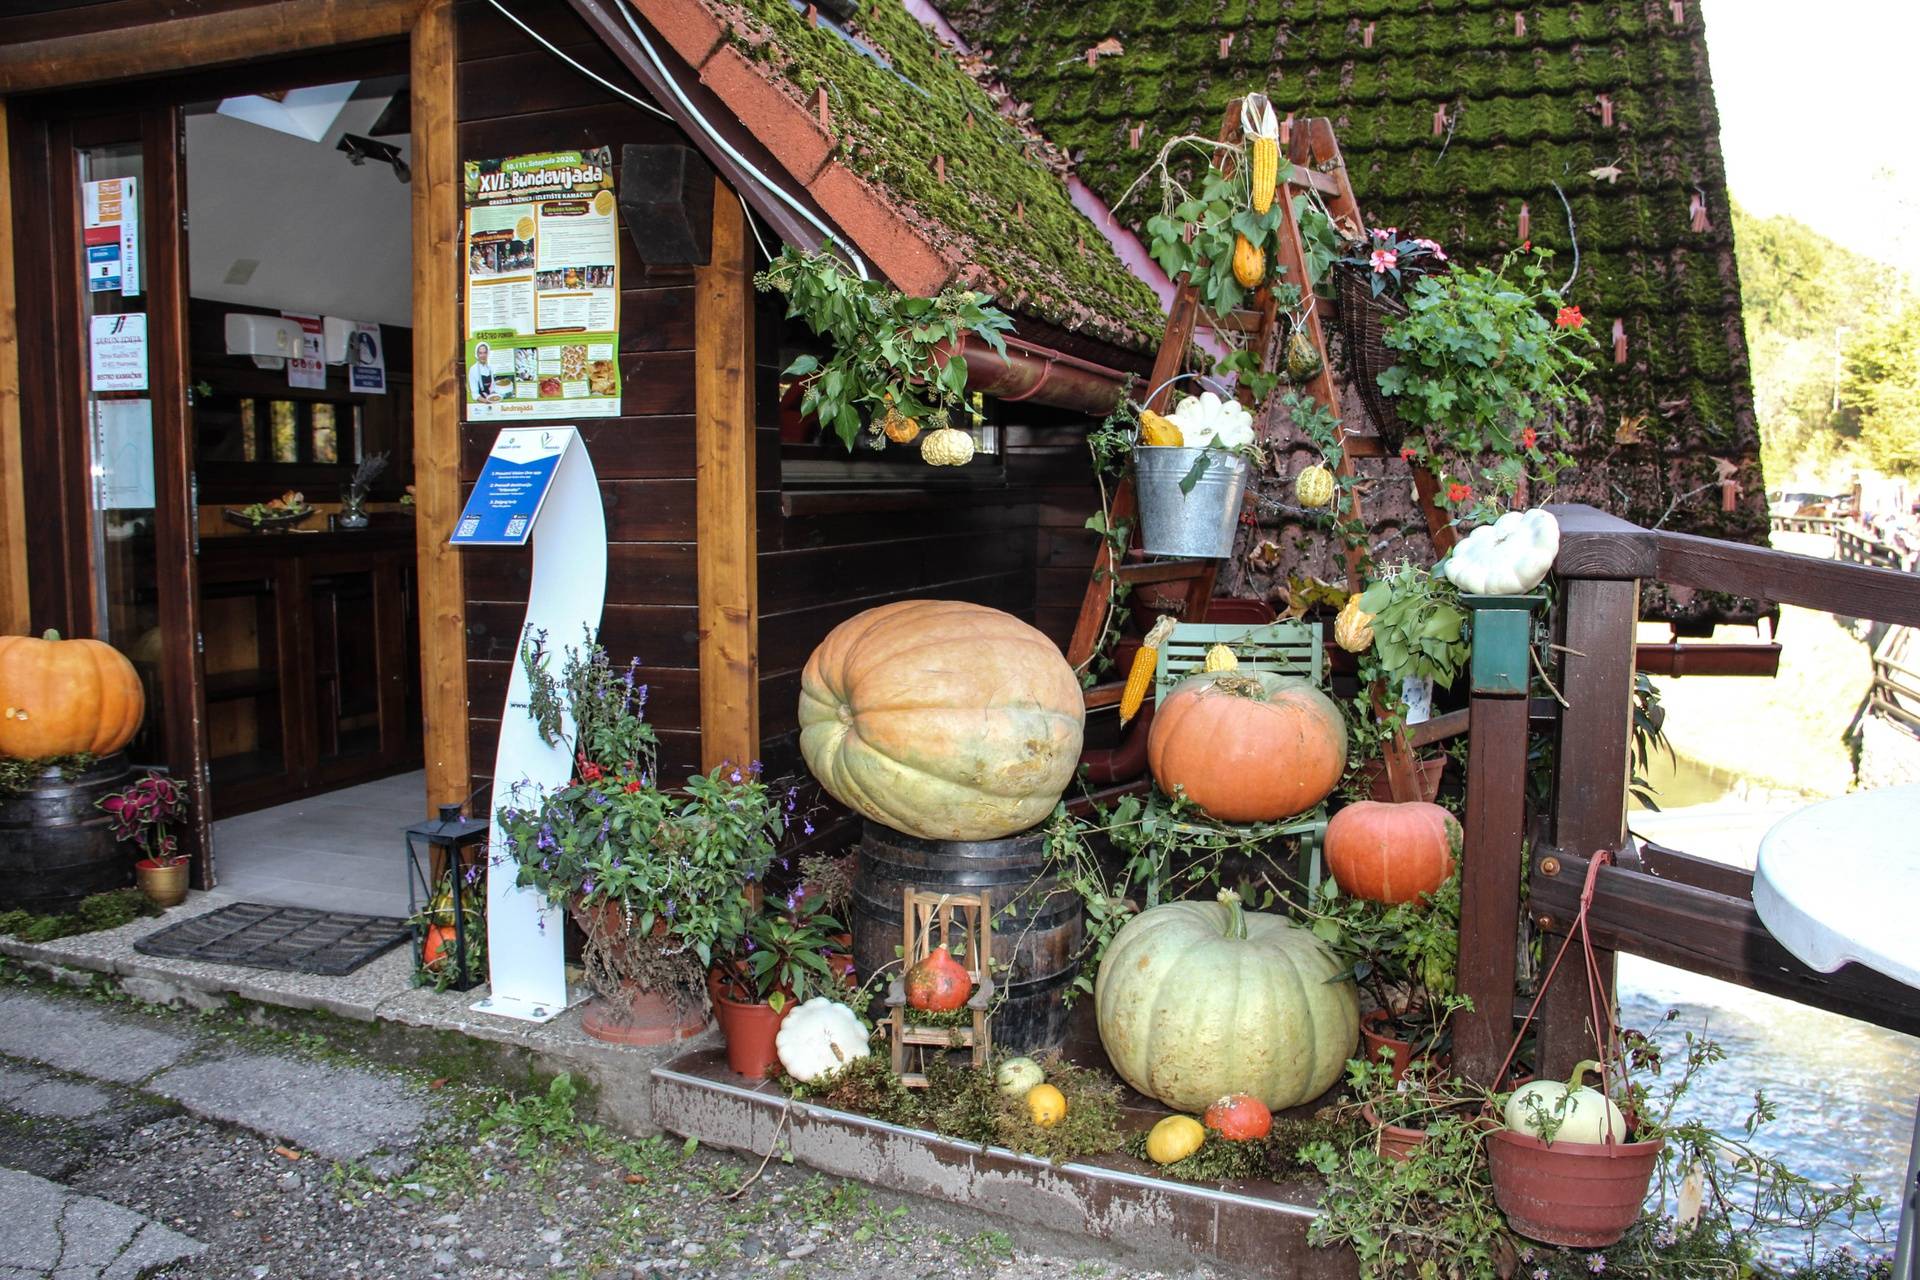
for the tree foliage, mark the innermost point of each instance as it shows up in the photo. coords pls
(1881, 382)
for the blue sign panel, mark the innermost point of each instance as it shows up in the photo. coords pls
(513, 483)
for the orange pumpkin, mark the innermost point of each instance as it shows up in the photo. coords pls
(1239, 1117)
(61, 697)
(439, 946)
(1248, 746)
(1391, 852)
(945, 720)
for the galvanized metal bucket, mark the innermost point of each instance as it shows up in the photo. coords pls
(1199, 523)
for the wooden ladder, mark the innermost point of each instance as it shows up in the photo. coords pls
(1317, 166)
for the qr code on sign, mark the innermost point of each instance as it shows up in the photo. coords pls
(516, 526)
(468, 524)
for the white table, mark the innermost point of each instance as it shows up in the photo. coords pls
(1837, 882)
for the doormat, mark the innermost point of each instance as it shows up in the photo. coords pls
(290, 939)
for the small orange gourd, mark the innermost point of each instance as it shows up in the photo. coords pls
(938, 983)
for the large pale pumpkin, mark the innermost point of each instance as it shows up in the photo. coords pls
(61, 697)
(1248, 746)
(1198, 1000)
(1391, 852)
(945, 720)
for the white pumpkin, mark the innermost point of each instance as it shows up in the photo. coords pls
(1581, 1114)
(1509, 557)
(819, 1038)
(1207, 421)
(1017, 1075)
(946, 447)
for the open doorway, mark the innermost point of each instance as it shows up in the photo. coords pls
(299, 230)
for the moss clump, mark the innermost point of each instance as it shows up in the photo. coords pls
(1275, 1156)
(101, 911)
(964, 1103)
(19, 776)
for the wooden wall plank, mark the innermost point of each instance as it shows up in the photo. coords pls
(723, 324)
(436, 405)
(14, 608)
(207, 40)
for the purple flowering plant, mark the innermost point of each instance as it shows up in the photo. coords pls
(613, 833)
(141, 814)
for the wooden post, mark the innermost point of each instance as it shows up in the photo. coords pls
(436, 406)
(724, 491)
(13, 520)
(1495, 829)
(1590, 781)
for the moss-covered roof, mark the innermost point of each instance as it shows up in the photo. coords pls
(1524, 112)
(966, 181)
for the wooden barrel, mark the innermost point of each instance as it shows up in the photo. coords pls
(1039, 939)
(56, 846)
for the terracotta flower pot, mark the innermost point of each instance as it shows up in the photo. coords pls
(1396, 1142)
(1426, 770)
(750, 1028)
(1375, 1035)
(633, 1015)
(839, 956)
(1580, 1194)
(164, 883)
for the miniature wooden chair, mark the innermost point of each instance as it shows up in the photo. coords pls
(1289, 648)
(928, 920)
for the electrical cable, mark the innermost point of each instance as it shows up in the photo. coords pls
(772, 188)
(588, 72)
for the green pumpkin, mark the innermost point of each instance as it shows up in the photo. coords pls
(1197, 1000)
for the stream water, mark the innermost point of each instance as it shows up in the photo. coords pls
(1845, 1090)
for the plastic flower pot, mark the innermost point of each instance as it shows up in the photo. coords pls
(1396, 1141)
(749, 1027)
(1580, 1194)
(1199, 523)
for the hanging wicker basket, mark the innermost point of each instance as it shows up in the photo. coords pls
(1364, 319)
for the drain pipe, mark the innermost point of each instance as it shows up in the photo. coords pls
(1042, 375)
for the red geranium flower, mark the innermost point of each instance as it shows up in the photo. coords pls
(633, 785)
(1569, 318)
(589, 771)
(1529, 437)
(1406, 453)
(1457, 492)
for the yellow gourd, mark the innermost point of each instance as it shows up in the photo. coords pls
(1159, 431)
(1047, 1105)
(1353, 629)
(946, 447)
(1313, 487)
(1140, 674)
(1220, 658)
(1249, 263)
(1175, 1138)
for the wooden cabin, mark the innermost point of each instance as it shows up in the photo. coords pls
(306, 157)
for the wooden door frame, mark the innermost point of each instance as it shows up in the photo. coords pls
(209, 41)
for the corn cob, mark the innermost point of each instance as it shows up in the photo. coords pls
(1157, 430)
(1140, 675)
(1263, 151)
(1249, 263)
(1220, 658)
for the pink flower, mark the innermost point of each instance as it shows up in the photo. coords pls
(1383, 260)
(1432, 247)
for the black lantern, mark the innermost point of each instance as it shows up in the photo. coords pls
(437, 852)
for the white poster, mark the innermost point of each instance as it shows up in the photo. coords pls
(366, 361)
(110, 235)
(123, 455)
(310, 370)
(119, 357)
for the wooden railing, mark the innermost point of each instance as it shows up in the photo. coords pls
(1804, 524)
(1855, 545)
(1655, 902)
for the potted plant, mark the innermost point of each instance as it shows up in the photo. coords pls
(1190, 473)
(826, 881)
(1371, 274)
(656, 877)
(1408, 631)
(141, 814)
(782, 962)
(1400, 1104)
(1403, 956)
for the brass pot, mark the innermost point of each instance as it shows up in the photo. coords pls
(164, 883)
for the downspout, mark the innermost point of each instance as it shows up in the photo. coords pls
(1041, 375)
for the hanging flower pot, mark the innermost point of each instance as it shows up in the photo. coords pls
(1364, 320)
(1190, 500)
(1580, 1194)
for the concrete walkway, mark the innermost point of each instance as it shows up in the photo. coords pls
(48, 1231)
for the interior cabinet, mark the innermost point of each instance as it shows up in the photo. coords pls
(312, 661)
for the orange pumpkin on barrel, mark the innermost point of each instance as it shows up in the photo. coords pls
(61, 697)
(1248, 746)
(1391, 852)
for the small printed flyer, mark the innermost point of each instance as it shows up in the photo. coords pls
(543, 286)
